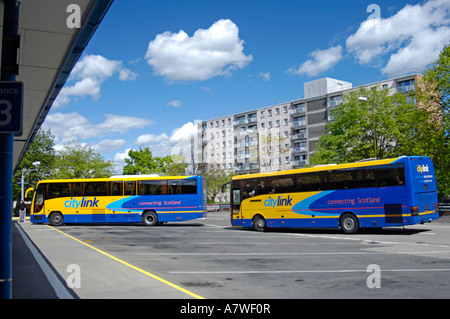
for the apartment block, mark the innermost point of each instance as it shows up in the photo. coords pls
(281, 136)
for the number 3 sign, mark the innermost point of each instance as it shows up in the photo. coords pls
(11, 105)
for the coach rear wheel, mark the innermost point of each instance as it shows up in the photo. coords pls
(150, 219)
(349, 223)
(259, 223)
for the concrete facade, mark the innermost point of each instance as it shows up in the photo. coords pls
(281, 136)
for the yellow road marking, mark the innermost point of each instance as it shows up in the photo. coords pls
(133, 267)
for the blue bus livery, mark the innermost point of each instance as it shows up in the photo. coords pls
(376, 193)
(147, 200)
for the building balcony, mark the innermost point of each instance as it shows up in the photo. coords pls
(406, 88)
(334, 103)
(299, 136)
(299, 149)
(241, 133)
(298, 163)
(241, 145)
(299, 123)
(242, 157)
(247, 167)
(298, 110)
(241, 121)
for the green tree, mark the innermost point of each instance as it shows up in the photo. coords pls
(40, 150)
(367, 119)
(433, 96)
(143, 162)
(436, 83)
(215, 178)
(176, 165)
(80, 161)
(402, 127)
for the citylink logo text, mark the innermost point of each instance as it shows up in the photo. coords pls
(423, 169)
(280, 201)
(84, 202)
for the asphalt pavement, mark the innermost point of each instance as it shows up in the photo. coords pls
(42, 255)
(210, 259)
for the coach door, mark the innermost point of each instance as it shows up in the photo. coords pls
(39, 200)
(236, 198)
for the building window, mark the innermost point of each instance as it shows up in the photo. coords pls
(335, 100)
(405, 86)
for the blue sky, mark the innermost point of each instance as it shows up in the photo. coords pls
(154, 67)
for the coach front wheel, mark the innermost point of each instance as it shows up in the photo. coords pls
(259, 223)
(150, 219)
(56, 219)
(349, 223)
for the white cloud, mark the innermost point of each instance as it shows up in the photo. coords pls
(119, 161)
(109, 145)
(120, 157)
(162, 145)
(89, 73)
(208, 53)
(321, 60)
(264, 76)
(183, 133)
(127, 75)
(147, 139)
(412, 38)
(96, 67)
(175, 103)
(70, 126)
(121, 124)
(207, 89)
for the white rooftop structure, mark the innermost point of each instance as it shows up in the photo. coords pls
(324, 86)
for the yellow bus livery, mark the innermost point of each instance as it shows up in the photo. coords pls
(374, 193)
(148, 200)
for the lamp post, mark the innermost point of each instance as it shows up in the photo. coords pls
(22, 182)
(364, 99)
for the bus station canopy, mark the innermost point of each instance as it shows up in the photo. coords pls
(48, 51)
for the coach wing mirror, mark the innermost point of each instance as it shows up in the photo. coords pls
(31, 189)
(225, 185)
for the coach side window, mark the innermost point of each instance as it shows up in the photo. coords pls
(56, 190)
(252, 187)
(130, 188)
(115, 188)
(282, 184)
